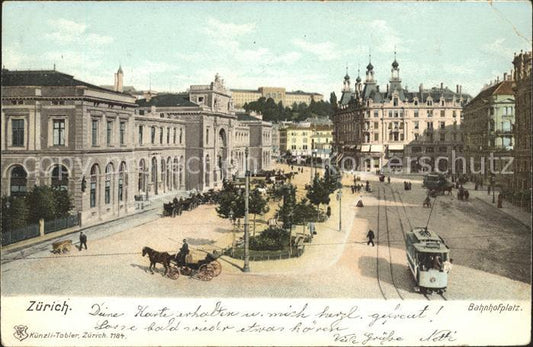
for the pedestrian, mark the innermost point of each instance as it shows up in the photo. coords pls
(488, 190)
(328, 212)
(83, 240)
(388, 179)
(184, 250)
(370, 235)
(500, 200)
(447, 265)
(353, 189)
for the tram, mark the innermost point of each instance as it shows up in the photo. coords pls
(426, 254)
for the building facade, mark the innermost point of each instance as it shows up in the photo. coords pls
(72, 135)
(396, 128)
(278, 94)
(304, 139)
(110, 150)
(522, 129)
(488, 122)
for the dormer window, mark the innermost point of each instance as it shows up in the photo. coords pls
(429, 102)
(200, 99)
(395, 101)
(416, 102)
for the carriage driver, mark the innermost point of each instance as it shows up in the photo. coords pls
(184, 250)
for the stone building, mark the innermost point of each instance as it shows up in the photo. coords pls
(110, 150)
(216, 139)
(242, 96)
(70, 134)
(305, 138)
(373, 129)
(522, 129)
(488, 122)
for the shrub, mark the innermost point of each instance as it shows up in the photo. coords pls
(272, 239)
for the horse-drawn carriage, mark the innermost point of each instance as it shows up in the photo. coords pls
(60, 247)
(204, 269)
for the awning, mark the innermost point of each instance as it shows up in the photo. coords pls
(377, 148)
(365, 148)
(395, 147)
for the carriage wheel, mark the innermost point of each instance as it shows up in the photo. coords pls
(173, 273)
(206, 272)
(185, 270)
(217, 267)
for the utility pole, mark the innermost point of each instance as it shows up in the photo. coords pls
(246, 267)
(339, 197)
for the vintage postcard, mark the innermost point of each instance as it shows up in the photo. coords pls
(236, 173)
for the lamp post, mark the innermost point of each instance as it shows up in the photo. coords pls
(246, 267)
(492, 181)
(231, 215)
(339, 197)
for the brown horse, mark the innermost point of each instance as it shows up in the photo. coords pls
(157, 257)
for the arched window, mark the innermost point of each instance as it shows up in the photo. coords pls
(180, 176)
(18, 182)
(95, 172)
(108, 178)
(60, 177)
(142, 184)
(163, 174)
(154, 174)
(207, 169)
(121, 181)
(175, 170)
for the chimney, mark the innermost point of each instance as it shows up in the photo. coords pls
(456, 89)
(421, 88)
(441, 86)
(497, 79)
(505, 76)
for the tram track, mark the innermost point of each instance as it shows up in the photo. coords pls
(389, 270)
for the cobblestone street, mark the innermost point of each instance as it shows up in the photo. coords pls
(490, 254)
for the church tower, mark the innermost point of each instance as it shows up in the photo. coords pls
(119, 75)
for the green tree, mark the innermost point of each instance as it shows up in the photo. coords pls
(230, 200)
(63, 202)
(304, 212)
(318, 192)
(286, 210)
(16, 216)
(41, 204)
(257, 205)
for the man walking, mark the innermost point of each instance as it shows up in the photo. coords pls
(370, 235)
(83, 240)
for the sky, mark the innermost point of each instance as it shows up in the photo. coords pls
(307, 46)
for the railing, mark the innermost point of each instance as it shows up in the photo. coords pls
(27, 232)
(61, 223)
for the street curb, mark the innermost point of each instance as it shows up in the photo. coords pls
(41, 242)
(505, 213)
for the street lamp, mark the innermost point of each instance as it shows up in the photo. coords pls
(231, 215)
(246, 267)
(492, 181)
(339, 198)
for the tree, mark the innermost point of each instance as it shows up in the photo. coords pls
(41, 204)
(257, 204)
(16, 216)
(333, 100)
(304, 212)
(63, 202)
(230, 200)
(286, 210)
(318, 192)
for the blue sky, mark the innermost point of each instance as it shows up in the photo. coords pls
(297, 45)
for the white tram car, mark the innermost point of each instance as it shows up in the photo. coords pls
(426, 254)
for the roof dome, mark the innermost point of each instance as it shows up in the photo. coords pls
(347, 77)
(358, 79)
(370, 66)
(395, 64)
